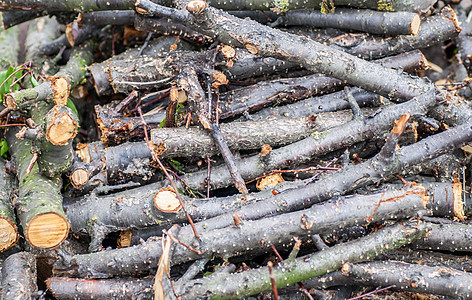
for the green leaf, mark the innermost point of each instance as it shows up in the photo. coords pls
(6, 79)
(163, 122)
(3, 148)
(71, 105)
(34, 82)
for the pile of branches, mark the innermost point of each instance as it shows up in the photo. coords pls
(227, 149)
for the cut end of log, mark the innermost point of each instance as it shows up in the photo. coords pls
(83, 152)
(196, 7)
(125, 238)
(251, 48)
(228, 52)
(345, 269)
(458, 200)
(70, 32)
(61, 126)
(47, 230)
(400, 124)
(265, 151)
(269, 181)
(10, 102)
(61, 89)
(219, 79)
(452, 17)
(415, 25)
(8, 234)
(166, 201)
(79, 177)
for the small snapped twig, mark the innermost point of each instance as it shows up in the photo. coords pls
(146, 42)
(156, 158)
(32, 162)
(119, 108)
(372, 292)
(356, 110)
(176, 240)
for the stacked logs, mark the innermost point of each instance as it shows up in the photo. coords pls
(195, 150)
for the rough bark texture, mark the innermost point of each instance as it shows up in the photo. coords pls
(19, 277)
(39, 204)
(289, 272)
(319, 143)
(260, 40)
(373, 47)
(413, 277)
(74, 5)
(319, 105)
(376, 22)
(8, 230)
(395, 5)
(229, 241)
(448, 237)
(119, 288)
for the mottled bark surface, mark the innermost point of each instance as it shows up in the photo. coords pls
(19, 276)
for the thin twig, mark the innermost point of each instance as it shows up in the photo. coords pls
(208, 176)
(272, 281)
(156, 158)
(5, 111)
(125, 102)
(176, 240)
(372, 292)
(146, 42)
(11, 125)
(32, 162)
(146, 83)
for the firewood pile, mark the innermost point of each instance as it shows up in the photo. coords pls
(232, 149)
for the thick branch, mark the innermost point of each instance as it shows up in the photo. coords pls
(9, 231)
(412, 277)
(261, 40)
(19, 276)
(376, 22)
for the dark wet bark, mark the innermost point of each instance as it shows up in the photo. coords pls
(430, 258)
(12, 18)
(75, 35)
(415, 5)
(75, 5)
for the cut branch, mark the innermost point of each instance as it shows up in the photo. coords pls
(261, 40)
